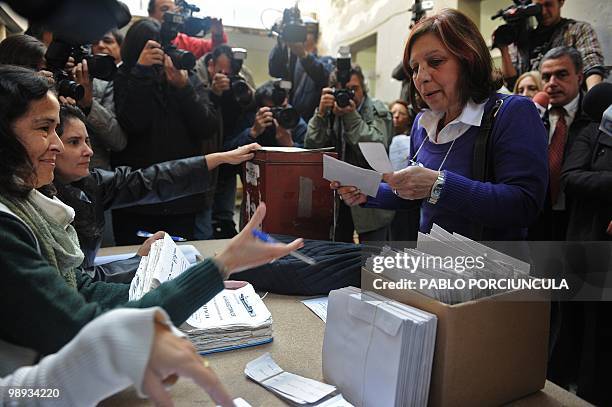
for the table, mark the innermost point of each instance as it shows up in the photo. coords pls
(298, 340)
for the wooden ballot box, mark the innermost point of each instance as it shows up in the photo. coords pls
(290, 181)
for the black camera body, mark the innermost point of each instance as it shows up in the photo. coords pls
(173, 24)
(287, 117)
(517, 26)
(57, 55)
(240, 89)
(343, 96)
(291, 28)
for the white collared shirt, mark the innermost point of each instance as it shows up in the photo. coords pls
(471, 115)
(570, 112)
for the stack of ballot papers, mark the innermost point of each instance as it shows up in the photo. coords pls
(440, 244)
(294, 388)
(377, 351)
(232, 319)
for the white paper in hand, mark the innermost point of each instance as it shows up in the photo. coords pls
(349, 175)
(376, 155)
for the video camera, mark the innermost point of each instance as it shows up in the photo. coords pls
(184, 22)
(517, 24)
(287, 117)
(291, 28)
(343, 96)
(100, 66)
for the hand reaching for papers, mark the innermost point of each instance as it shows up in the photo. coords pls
(172, 356)
(245, 251)
(349, 194)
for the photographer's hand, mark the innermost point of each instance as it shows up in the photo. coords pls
(341, 111)
(283, 136)
(178, 78)
(220, 83)
(327, 101)
(81, 75)
(263, 119)
(297, 49)
(151, 54)
(48, 76)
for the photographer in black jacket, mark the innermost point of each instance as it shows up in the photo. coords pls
(166, 115)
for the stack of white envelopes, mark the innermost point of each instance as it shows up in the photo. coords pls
(376, 351)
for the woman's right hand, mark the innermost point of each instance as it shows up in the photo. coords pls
(240, 154)
(245, 250)
(173, 356)
(151, 54)
(350, 195)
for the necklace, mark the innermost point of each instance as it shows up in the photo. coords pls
(415, 162)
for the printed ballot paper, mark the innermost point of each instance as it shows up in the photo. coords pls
(350, 175)
(377, 351)
(298, 389)
(346, 174)
(232, 319)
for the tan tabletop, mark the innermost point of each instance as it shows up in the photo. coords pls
(298, 339)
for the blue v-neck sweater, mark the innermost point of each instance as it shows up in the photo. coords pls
(507, 206)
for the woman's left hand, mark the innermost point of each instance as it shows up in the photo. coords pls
(412, 183)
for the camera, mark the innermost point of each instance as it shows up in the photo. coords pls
(517, 21)
(238, 87)
(287, 117)
(291, 28)
(343, 75)
(184, 22)
(57, 55)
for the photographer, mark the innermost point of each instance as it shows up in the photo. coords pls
(299, 63)
(275, 124)
(197, 46)
(167, 116)
(520, 56)
(364, 119)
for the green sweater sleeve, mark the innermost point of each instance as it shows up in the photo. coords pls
(43, 313)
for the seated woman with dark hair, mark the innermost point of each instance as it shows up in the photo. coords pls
(50, 297)
(90, 193)
(483, 182)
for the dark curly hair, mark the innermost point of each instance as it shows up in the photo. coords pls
(19, 87)
(23, 50)
(462, 38)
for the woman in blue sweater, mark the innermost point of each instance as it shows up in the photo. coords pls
(493, 193)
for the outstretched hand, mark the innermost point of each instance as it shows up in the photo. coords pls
(245, 251)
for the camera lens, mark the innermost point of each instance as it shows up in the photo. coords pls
(71, 89)
(343, 97)
(181, 59)
(287, 118)
(241, 90)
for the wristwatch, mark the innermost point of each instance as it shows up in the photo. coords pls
(436, 189)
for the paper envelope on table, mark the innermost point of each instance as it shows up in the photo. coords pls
(376, 351)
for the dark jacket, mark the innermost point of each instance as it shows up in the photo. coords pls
(163, 123)
(124, 187)
(308, 76)
(549, 225)
(587, 178)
